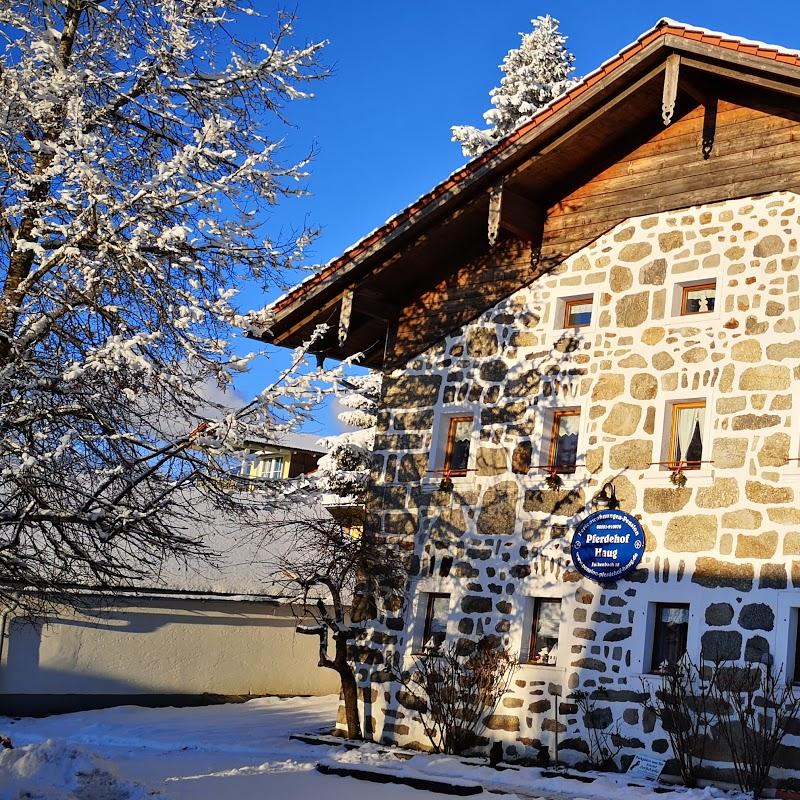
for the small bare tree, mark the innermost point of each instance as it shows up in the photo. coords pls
(684, 705)
(755, 709)
(603, 742)
(456, 690)
(340, 572)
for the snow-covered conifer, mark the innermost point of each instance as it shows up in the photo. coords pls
(344, 470)
(536, 73)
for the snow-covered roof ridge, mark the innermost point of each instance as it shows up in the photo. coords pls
(741, 40)
(663, 26)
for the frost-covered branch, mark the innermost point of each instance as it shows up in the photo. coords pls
(140, 154)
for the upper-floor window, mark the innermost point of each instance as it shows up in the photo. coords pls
(545, 624)
(459, 434)
(577, 312)
(698, 298)
(670, 633)
(437, 610)
(564, 440)
(269, 467)
(686, 434)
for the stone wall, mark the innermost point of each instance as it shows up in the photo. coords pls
(728, 542)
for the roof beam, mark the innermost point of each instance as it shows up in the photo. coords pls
(589, 120)
(783, 87)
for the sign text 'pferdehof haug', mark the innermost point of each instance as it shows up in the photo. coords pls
(607, 545)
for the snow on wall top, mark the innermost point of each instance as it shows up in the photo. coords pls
(259, 321)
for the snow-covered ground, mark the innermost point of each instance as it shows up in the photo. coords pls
(242, 752)
(238, 751)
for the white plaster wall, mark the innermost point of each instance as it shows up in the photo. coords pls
(164, 647)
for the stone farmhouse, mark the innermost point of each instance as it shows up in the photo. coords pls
(604, 303)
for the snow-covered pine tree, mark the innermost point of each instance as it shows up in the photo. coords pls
(536, 73)
(139, 154)
(344, 470)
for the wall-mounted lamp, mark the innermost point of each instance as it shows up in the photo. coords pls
(607, 496)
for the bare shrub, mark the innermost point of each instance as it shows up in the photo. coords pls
(684, 705)
(456, 690)
(600, 738)
(756, 707)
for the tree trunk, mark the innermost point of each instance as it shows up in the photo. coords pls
(350, 696)
(349, 687)
(21, 260)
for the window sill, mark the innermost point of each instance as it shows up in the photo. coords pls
(535, 665)
(697, 319)
(694, 477)
(571, 480)
(431, 485)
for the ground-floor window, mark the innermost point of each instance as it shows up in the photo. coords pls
(669, 634)
(437, 610)
(545, 624)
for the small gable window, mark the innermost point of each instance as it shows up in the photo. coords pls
(577, 312)
(698, 298)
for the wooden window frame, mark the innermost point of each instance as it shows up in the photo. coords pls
(693, 287)
(452, 425)
(796, 644)
(537, 604)
(430, 599)
(551, 460)
(673, 435)
(576, 301)
(656, 624)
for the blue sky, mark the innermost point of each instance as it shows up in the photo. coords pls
(404, 72)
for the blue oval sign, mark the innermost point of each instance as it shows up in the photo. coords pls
(607, 545)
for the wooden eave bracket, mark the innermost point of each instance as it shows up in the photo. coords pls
(345, 313)
(670, 95)
(514, 213)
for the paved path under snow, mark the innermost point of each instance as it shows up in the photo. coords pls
(237, 751)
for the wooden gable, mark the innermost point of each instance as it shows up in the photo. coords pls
(609, 160)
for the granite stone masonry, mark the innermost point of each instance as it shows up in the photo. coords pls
(727, 543)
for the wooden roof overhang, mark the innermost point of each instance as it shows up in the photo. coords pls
(666, 73)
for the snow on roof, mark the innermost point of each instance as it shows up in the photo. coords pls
(310, 442)
(260, 320)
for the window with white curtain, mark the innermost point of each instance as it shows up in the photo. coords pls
(699, 298)
(686, 434)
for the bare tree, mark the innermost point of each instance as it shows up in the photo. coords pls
(341, 572)
(756, 709)
(455, 689)
(684, 704)
(138, 156)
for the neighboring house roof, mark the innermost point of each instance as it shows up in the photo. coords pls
(306, 442)
(289, 320)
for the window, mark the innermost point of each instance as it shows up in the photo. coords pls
(686, 435)
(564, 440)
(255, 466)
(796, 671)
(669, 634)
(698, 298)
(577, 312)
(437, 610)
(459, 433)
(546, 621)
